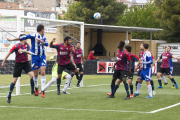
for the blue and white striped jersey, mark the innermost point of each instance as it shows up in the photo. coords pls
(147, 60)
(36, 47)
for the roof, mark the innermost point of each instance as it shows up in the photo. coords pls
(156, 41)
(109, 28)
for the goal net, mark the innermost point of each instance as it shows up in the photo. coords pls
(13, 26)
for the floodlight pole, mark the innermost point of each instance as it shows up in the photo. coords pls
(150, 40)
(82, 46)
(54, 5)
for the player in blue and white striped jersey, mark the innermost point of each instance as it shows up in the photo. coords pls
(38, 58)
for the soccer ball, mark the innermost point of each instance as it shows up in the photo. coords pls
(97, 15)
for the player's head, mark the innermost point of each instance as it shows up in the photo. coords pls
(78, 45)
(165, 49)
(121, 44)
(168, 48)
(92, 51)
(141, 46)
(128, 48)
(25, 41)
(145, 46)
(40, 28)
(67, 40)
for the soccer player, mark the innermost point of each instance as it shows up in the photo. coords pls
(146, 72)
(21, 64)
(76, 59)
(38, 58)
(121, 70)
(165, 66)
(65, 75)
(64, 50)
(139, 66)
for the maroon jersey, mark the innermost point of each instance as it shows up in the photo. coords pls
(166, 60)
(63, 53)
(20, 57)
(77, 56)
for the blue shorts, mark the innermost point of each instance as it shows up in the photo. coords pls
(146, 74)
(38, 61)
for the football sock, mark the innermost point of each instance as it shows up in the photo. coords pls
(58, 84)
(49, 83)
(77, 76)
(131, 88)
(136, 84)
(68, 77)
(35, 82)
(43, 82)
(164, 79)
(152, 84)
(126, 88)
(116, 87)
(149, 90)
(32, 85)
(173, 81)
(112, 88)
(138, 87)
(160, 83)
(11, 89)
(80, 78)
(72, 75)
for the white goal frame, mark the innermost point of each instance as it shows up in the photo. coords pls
(57, 21)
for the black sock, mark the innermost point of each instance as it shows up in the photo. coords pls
(126, 88)
(58, 84)
(80, 78)
(32, 85)
(173, 80)
(11, 89)
(112, 88)
(72, 75)
(152, 84)
(160, 83)
(77, 76)
(131, 88)
(116, 87)
(136, 84)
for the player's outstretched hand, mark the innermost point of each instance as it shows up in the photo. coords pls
(8, 39)
(3, 64)
(53, 40)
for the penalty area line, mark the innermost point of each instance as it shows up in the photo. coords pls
(93, 110)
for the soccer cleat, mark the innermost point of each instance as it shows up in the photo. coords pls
(32, 92)
(8, 99)
(176, 85)
(165, 84)
(159, 87)
(111, 96)
(58, 92)
(173, 86)
(136, 94)
(154, 93)
(42, 94)
(78, 85)
(36, 91)
(65, 92)
(149, 96)
(127, 98)
(132, 95)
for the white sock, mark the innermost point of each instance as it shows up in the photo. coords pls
(149, 87)
(164, 79)
(67, 82)
(49, 83)
(138, 87)
(35, 81)
(43, 82)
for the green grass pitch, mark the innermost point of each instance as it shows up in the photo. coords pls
(89, 102)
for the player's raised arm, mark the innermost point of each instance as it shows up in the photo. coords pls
(3, 63)
(72, 50)
(72, 60)
(51, 43)
(175, 57)
(44, 42)
(158, 59)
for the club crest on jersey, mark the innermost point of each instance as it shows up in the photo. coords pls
(63, 53)
(118, 59)
(78, 55)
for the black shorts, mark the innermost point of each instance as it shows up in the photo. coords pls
(21, 66)
(79, 65)
(139, 72)
(165, 70)
(120, 74)
(132, 74)
(69, 67)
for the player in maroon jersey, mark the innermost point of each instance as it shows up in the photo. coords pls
(64, 50)
(21, 64)
(165, 66)
(121, 70)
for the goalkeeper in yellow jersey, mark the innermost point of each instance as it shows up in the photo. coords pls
(65, 75)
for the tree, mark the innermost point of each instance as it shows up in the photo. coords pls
(140, 17)
(59, 17)
(168, 16)
(83, 10)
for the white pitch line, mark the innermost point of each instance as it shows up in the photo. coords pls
(158, 110)
(93, 110)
